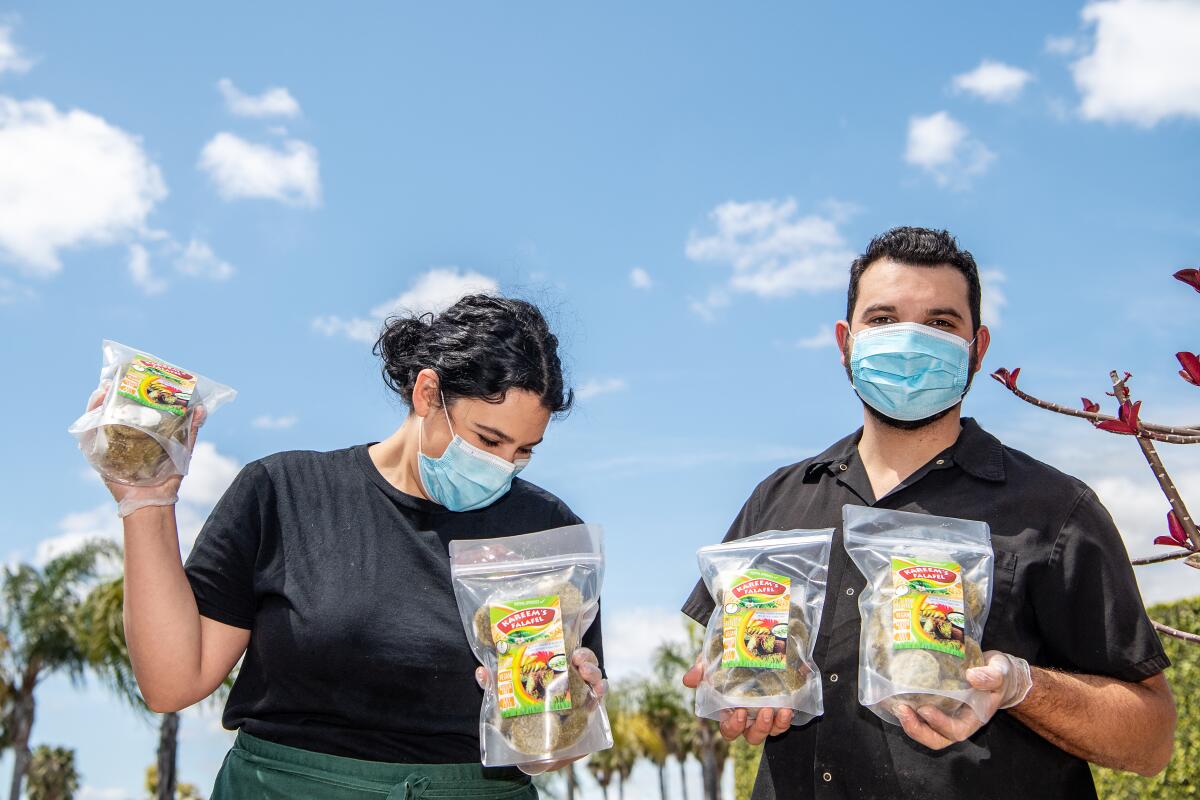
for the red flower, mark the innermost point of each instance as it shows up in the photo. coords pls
(1191, 367)
(1127, 421)
(1189, 276)
(1178, 536)
(1009, 379)
(1090, 406)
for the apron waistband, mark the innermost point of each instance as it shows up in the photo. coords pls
(411, 781)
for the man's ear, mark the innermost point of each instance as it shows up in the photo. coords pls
(842, 331)
(983, 340)
(425, 397)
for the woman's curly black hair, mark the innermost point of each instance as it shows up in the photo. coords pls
(482, 346)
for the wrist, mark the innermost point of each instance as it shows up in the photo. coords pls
(146, 513)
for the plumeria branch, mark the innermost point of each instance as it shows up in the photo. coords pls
(1167, 630)
(1143, 430)
(1158, 559)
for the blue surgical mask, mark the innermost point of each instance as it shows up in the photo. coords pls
(464, 478)
(908, 371)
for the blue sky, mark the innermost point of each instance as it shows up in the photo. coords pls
(244, 190)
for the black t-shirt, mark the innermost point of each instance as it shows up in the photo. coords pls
(1064, 597)
(356, 647)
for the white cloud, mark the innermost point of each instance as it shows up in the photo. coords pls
(1144, 65)
(1062, 45)
(432, 292)
(274, 102)
(595, 388)
(994, 81)
(12, 292)
(272, 423)
(98, 793)
(68, 179)
(629, 643)
(208, 477)
(943, 147)
(640, 279)
(11, 58)
(78, 528)
(772, 249)
(818, 341)
(239, 168)
(141, 273)
(994, 299)
(199, 261)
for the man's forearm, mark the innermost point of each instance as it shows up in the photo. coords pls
(1109, 722)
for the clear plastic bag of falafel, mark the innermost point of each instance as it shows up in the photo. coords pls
(141, 433)
(769, 590)
(929, 582)
(526, 602)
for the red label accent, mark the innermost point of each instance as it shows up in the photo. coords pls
(759, 586)
(529, 618)
(934, 574)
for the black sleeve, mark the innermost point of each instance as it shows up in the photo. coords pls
(221, 566)
(699, 605)
(1088, 605)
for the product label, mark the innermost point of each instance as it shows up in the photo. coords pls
(532, 674)
(927, 610)
(157, 384)
(755, 620)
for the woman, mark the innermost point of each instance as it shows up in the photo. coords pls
(330, 572)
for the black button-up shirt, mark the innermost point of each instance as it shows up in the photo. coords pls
(1064, 596)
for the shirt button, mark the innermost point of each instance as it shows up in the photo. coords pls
(843, 467)
(850, 592)
(941, 461)
(833, 677)
(827, 777)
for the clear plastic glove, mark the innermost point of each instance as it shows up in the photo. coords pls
(1006, 679)
(131, 498)
(756, 724)
(589, 669)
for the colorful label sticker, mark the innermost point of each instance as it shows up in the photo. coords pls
(157, 384)
(532, 674)
(927, 610)
(754, 627)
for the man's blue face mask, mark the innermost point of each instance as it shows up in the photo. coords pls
(908, 371)
(464, 478)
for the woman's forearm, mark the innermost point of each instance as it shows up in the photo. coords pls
(162, 624)
(1109, 722)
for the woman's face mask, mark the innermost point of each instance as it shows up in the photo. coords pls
(908, 371)
(464, 478)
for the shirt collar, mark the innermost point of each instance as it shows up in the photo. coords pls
(976, 452)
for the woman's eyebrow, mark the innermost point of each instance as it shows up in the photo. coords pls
(501, 436)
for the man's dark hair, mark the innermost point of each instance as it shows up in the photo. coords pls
(919, 247)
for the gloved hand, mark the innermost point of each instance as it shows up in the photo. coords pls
(756, 724)
(589, 669)
(1006, 679)
(131, 498)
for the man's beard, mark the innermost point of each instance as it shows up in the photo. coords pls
(910, 424)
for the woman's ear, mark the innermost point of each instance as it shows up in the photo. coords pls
(425, 393)
(842, 332)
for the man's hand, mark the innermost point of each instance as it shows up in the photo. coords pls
(754, 724)
(588, 665)
(1005, 679)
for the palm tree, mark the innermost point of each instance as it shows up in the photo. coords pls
(603, 766)
(52, 774)
(37, 616)
(669, 710)
(704, 740)
(101, 626)
(660, 707)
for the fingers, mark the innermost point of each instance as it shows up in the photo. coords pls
(956, 727)
(733, 722)
(96, 399)
(988, 679)
(783, 721)
(918, 729)
(482, 677)
(763, 724)
(692, 678)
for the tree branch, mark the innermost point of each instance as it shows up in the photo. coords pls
(1141, 562)
(1176, 633)
(1162, 433)
(1160, 471)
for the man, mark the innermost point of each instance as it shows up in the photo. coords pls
(1072, 659)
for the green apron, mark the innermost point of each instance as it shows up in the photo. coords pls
(260, 770)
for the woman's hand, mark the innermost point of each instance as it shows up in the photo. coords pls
(755, 724)
(588, 665)
(131, 498)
